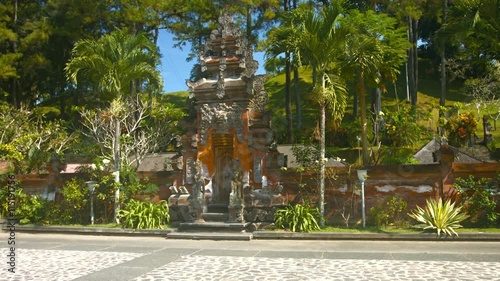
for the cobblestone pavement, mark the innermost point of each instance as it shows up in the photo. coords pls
(159, 259)
(64, 265)
(244, 268)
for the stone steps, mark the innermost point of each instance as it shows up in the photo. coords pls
(215, 217)
(211, 236)
(212, 227)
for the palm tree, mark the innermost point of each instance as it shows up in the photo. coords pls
(113, 64)
(317, 37)
(473, 25)
(376, 50)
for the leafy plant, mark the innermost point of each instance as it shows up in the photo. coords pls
(480, 198)
(401, 128)
(389, 212)
(494, 147)
(460, 127)
(306, 155)
(441, 217)
(141, 215)
(28, 208)
(298, 218)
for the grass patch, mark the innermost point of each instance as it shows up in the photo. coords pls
(104, 225)
(488, 230)
(372, 229)
(369, 229)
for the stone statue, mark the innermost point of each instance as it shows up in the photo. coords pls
(487, 130)
(237, 180)
(198, 191)
(236, 203)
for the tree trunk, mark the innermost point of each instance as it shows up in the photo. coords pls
(288, 103)
(288, 100)
(415, 56)
(411, 65)
(314, 75)
(376, 103)
(298, 110)
(321, 157)
(116, 170)
(362, 110)
(442, 101)
(14, 81)
(355, 101)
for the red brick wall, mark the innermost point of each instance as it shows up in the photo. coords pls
(414, 183)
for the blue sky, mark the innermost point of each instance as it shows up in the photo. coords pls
(174, 68)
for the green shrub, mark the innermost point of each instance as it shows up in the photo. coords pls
(298, 218)
(390, 212)
(34, 210)
(441, 217)
(141, 215)
(480, 199)
(494, 147)
(401, 128)
(397, 156)
(75, 203)
(29, 209)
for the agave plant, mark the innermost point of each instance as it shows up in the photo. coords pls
(441, 217)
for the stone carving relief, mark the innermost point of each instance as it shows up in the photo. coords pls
(197, 203)
(259, 98)
(222, 117)
(220, 82)
(228, 28)
(189, 170)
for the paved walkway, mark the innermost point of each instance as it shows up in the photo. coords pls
(113, 258)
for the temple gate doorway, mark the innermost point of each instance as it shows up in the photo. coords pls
(221, 182)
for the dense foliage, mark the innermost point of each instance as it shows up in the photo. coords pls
(391, 211)
(481, 199)
(141, 215)
(298, 218)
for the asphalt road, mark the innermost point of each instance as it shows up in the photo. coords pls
(81, 257)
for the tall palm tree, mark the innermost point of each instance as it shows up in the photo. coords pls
(113, 64)
(317, 37)
(377, 48)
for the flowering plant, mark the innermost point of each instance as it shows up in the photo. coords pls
(460, 127)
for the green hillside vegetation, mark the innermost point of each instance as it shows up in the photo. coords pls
(179, 99)
(427, 110)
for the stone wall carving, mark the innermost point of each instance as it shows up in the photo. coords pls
(222, 117)
(260, 97)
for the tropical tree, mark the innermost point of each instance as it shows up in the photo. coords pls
(474, 26)
(317, 38)
(284, 40)
(376, 50)
(113, 64)
(29, 139)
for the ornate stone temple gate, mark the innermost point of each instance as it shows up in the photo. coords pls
(228, 162)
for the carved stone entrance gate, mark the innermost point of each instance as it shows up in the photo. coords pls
(229, 136)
